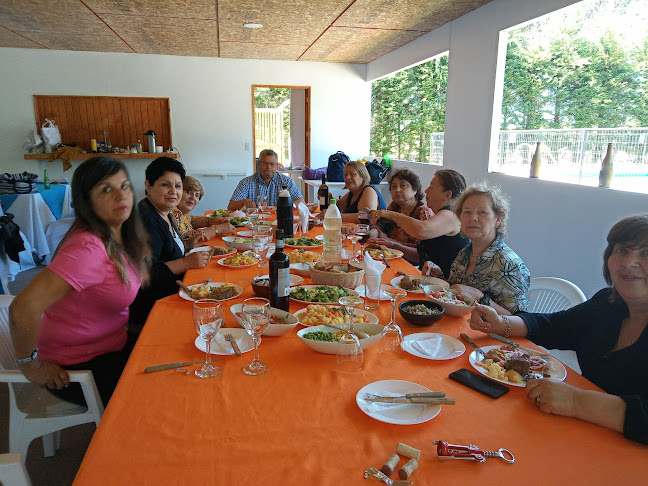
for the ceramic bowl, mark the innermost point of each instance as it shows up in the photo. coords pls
(420, 320)
(375, 332)
(231, 242)
(450, 308)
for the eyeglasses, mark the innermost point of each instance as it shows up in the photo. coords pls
(268, 164)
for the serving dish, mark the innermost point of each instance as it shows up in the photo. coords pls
(420, 319)
(396, 282)
(463, 306)
(235, 242)
(371, 318)
(375, 332)
(313, 287)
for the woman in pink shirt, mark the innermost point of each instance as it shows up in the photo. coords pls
(73, 315)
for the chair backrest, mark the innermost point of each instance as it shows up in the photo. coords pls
(7, 355)
(552, 294)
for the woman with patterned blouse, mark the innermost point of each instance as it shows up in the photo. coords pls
(196, 226)
(487, 270)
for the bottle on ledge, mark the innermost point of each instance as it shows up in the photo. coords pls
(46, 181)
(323, 194)
(279, 275)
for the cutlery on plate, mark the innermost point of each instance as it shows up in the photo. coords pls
(360, 334)
(232, 341)
(414, 400)
(517, 345)
(410, 395)
(467, 339)
(184, 287)
(168, 366)
(386, 262)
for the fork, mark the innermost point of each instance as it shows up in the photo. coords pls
(230, 338)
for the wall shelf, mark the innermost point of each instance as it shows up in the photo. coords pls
(116, 156)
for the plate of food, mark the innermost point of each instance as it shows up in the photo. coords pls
(238, 260)
(238, 242)
(303, 256)
(220, 213)
(412, 283)
(238, 221)
(453, 302)
(378, 252)
(396, 413)
(320, 294)
(216, 251)
(432, 345)
(213, 290)
(318, 314)
(515, 366)
(280, 321)
(222, 347)
(302, 242)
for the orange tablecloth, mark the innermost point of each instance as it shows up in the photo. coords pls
(299, 423)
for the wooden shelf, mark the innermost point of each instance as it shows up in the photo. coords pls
(117, 156)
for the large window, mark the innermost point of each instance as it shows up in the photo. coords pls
(575, 82)
(408, 112)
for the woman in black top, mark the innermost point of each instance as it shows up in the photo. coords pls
(163, 189)
(609, 334)
(440, 236)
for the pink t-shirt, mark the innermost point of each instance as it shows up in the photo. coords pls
(91, 320)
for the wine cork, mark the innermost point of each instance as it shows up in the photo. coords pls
(408, 451)
(390, 465)
(406, 471)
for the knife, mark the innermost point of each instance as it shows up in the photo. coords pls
(466, 338)
(414, 400)
(516, 345)
(168, 366)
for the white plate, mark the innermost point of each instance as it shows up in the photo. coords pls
(399, 414)
(229, 241)
(372, 318)
(431, 280)
(223, 347)
(294, 279)
(200, 248)
(320, 237)
(397, 254)
(208, 248)
(557, 372)
(222, 263)
(238, 289)
(448, 341)
(351, 292)
(245, 234)
(383, 296)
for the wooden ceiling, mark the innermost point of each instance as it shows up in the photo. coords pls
(356, 31)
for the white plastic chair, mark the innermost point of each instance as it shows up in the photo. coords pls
(33, 410)
(552, 294)
(54, 234)
(13, 471)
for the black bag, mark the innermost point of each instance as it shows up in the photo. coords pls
(335, 169)
(377, 170)
(10, 237)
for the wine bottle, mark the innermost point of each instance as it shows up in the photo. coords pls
(285, 212)
(279, 275)
(607, 168)
(323, 194)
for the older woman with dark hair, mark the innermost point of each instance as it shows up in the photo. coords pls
(487, 270)
(440, 236)
(194, 229)
(407, 199)
(608, 333)
(73, 314)
(163, 184)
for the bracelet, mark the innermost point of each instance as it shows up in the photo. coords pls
(29, 358)
(507, 333)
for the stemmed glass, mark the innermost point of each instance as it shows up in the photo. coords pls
(347, 229)
(362, 230)
(262, 236)
(207, 319)
(262, 202)
(390, 344)
(349, 350)
(256, 317)
(253, 216)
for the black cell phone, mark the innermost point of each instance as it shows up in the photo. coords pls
(479, 382)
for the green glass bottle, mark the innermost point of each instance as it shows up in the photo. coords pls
(46, 181)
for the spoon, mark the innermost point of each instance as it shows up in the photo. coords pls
(360, 334)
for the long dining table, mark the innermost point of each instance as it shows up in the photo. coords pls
(299, 423)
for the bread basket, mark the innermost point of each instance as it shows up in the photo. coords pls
(332, 276)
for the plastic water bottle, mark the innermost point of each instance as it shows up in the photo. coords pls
(332, 251)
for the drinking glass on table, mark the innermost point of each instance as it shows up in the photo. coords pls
(362, 230)
(390, 344)
(349, 351)
(256, 317)
(252, 216)
(262, 236)
(262, 202)
(347, 229)
(207, 319)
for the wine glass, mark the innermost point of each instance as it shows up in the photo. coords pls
(253, 216)
(262, 202)
(362, 230)
(390, 344)
(349, 350)
(347, 229)
(207, 319)
(262, 236)
(256, 317)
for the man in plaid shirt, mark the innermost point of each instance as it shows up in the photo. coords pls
(265, 182)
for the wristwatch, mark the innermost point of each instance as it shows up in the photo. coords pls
(29, 358)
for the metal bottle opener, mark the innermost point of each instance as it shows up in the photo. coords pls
(471, 452)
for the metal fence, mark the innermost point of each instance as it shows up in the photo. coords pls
(570, 155)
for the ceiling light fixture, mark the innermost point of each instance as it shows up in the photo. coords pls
(252, 25)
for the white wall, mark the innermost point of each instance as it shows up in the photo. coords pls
(558, 229)
(211, 102)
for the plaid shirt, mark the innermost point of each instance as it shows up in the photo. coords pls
(499, 273)
(251, 186)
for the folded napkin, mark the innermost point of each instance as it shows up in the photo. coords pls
(433, 347)
(378, 407)
(372, 267)
(304, 214)
(220, 344)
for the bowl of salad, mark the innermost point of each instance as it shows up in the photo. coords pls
(420, 312)
(453, 302)
(238, 242)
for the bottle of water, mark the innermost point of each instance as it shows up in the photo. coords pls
(332, 251)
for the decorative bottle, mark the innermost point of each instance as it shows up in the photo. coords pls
(607, 168)
(535, 163)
